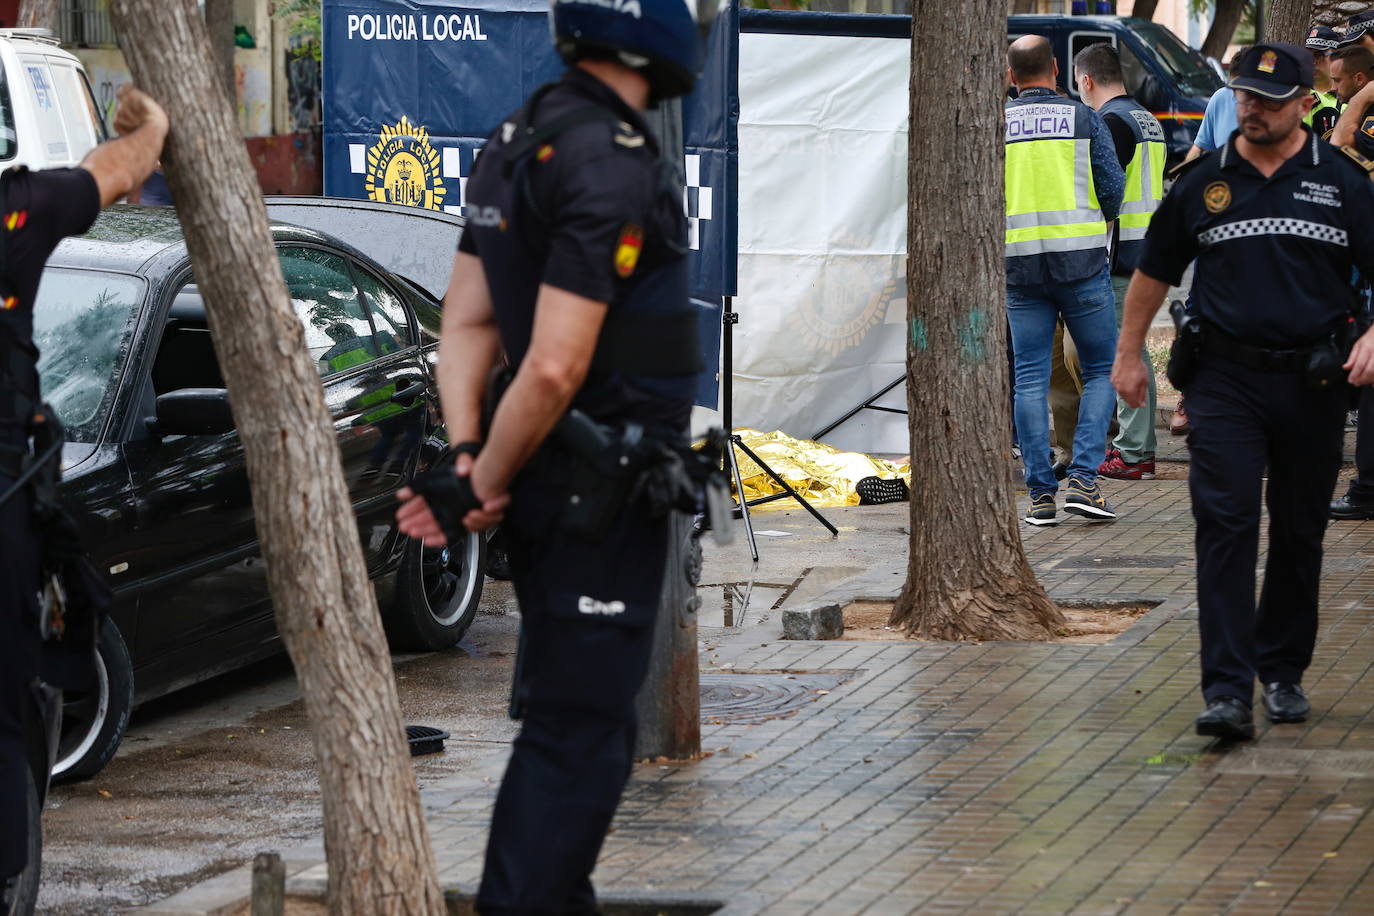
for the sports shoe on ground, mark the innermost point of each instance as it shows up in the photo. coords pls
(874, 491)
(1084, 498)
(1041, 511)
(1119, 468)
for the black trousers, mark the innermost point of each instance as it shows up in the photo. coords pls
(1243, 421)
(19, 647)
(1361, 489)
(588, 607)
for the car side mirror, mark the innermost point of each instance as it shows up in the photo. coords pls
(193, 412)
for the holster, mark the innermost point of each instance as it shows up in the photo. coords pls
(76, 596)
(1186, 352)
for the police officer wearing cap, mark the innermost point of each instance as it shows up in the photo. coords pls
(1275, 220)
(1359, 30)
(1326, 107)
(37, 211)
(573, 264)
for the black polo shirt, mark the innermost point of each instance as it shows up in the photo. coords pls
(1274, 255)
(37, 211)
(592, 216)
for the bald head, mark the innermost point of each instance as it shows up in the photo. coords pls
(1031, 61)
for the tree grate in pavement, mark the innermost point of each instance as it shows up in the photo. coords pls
(752, 697)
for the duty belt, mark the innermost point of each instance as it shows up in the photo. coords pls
(1265, 359)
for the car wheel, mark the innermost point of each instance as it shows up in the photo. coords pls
(20, 899)
(93, 721)
(437, 593)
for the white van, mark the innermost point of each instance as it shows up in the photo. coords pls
(48, 115)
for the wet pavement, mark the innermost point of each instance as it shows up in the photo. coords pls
(211, 775)
(899, 777)
(852, 777)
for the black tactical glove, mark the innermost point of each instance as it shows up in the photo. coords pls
(449, 496)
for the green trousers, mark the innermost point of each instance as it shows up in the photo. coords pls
(1135, 438)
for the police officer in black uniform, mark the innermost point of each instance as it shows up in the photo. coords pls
(572, 263)
(38, 210)
(1276, 220)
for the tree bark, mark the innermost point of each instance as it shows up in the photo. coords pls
(1335, 13)
(967, 574)
(1287, 20)
(37, 14)
(380, 859)
(1224, 23)
(219, 22)
(1144, 9)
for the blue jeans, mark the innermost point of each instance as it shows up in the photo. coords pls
(1088, 310)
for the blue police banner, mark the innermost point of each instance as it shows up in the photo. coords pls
(412, 88)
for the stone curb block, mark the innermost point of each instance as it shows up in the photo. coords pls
(822, 621)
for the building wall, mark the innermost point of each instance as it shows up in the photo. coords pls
(108, 71)
(276, 99)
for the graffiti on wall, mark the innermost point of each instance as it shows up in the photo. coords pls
(303, 89)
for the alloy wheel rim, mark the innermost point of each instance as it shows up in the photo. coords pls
(87, 713)
(450, 578)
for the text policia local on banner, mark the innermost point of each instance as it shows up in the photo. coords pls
(409, 27)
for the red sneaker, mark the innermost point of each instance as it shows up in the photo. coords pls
(1118, 468)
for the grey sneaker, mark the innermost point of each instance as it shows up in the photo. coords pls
(1085, 499)
(1041, 511)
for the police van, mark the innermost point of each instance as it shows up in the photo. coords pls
(48, 114)
(1162, 73)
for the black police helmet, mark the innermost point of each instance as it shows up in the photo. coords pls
(661, 39)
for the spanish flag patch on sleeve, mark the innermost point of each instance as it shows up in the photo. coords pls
(628, 249)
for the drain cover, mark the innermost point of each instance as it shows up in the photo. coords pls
(425, 740)
(751, 697)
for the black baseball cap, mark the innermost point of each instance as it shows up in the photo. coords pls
(1278, 71)
(1355, 28)
(1321, 38)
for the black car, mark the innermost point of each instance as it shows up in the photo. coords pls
(154, 471)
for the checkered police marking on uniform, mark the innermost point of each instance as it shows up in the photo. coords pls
(1251, 227)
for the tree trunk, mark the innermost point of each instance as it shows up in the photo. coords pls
(967, 575)
(1228, 16)
(1287, 20)
(37, 14)
(219, 22)
(1334, 13)
(1144, 9)
(380, 859)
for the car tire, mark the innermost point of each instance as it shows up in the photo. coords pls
(24, 895)
(437, 594)
(94, 721)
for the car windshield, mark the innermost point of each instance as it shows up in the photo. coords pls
(1188, 68)
(82, 322)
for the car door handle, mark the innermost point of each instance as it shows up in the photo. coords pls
(410, 392)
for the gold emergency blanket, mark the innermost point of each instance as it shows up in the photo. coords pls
(825, 476)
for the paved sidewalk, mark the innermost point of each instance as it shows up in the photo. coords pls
(902, 777)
